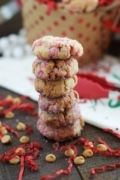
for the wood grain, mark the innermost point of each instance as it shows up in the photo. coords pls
(81, 172)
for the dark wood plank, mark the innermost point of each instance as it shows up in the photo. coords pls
(81, 172)
(93, 133)
(10, 172)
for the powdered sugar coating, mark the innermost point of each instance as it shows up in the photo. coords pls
(57, 88)
(59, 134)
(49, 47)
(59, 104)
(65, 118)
(53, 70)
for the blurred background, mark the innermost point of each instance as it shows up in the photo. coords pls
(21, 24)
(10, 17)
(11, 22)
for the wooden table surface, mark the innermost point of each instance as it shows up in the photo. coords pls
(79, 172)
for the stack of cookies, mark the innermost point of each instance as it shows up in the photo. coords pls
(55, 69)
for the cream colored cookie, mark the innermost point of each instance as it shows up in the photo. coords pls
(65, 118)
(53, 70)
(60, 134)
(50, 47)
(79, 6)
(59, 104)
(53, 89)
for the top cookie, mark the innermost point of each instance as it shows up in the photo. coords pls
(49, 47)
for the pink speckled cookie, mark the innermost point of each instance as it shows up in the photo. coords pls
(60, 134)
(57, 88)
(65, 118)
(59, 104)
(49, 47)
(53, 70)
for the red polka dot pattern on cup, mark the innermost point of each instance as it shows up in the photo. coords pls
(80, 20)
(88, 25)
(64, 34)
(87, 39)
(35, 7)
(71, 28)
(87, 28)
(41, 18)
(49, 28)
(80, 35)
(56, 23)
(63, 18)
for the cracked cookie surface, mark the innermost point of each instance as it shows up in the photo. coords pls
(53, 70)
(60, 134)
(60, 104)
(57, 88)
(49, 47)
(65, 118)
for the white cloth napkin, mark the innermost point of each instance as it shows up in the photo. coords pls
(17, 76)
(103, 113)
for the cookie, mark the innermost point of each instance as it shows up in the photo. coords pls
(79, 6)
(54, 70)
(57, 88)
(59, 104)
(49, 47)
(59, 134)
(65, 118)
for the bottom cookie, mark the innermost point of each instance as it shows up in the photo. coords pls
(62, 133)
(66, 118)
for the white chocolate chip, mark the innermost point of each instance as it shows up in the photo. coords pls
(6, 139)
(24, 139)
(88, 145)
(9, 115)
(50, 158)
(4, 131)
(69, 152)
(79, 160)
(1, 108)
(16, 100)
(14, 160)
(9, 97)
(20, 150)
(21, 126)
(87, 153)
(101, 147)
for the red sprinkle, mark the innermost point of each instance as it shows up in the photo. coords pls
(22, 168)
(70, 164)
(112, 132)
(61, 171)
(1, 132)
(28, 107)
(33, 166)
(51, 5)
(10, 106)
(103, 168)
(31, 153)
(105, 2)
(11, 130)
(29, 129)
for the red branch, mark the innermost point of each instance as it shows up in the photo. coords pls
(103, 168)
(11, 130)
(112, 132)
(51, 5)
(31, 153)
(105, 2)
(29, 129)
(22, 168)
(10, 106)
(70, 164)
